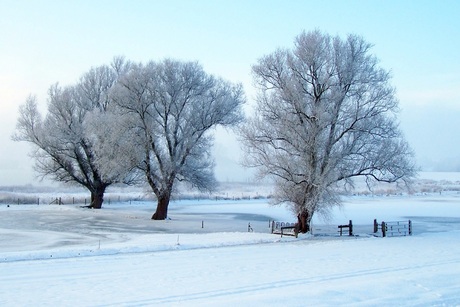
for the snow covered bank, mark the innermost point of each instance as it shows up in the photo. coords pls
(418, 270)
(205, 256)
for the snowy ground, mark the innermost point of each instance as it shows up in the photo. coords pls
(204, 255)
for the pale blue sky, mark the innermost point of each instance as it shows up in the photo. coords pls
(43, 42)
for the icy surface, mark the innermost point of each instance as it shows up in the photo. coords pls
(205, 256)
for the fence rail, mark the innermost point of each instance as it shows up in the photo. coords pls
(284, 228)
(394, 228)
(349, 227)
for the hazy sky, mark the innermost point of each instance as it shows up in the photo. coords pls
(44, 42)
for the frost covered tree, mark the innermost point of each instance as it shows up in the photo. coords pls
(325, 113)
(172, 106)
(66, 140)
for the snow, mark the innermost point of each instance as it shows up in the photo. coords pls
(205, 256)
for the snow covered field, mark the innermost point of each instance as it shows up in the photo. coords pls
(205, 256)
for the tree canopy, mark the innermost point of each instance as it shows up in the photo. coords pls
(64, 147)
(128, 121)
(171, 106)
(325, 113)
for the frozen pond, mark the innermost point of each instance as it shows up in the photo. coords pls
(204, 255)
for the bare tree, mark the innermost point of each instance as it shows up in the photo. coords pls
(172, 106)
(325, 114)
(64, 141)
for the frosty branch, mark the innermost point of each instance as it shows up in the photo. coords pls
(325, 113)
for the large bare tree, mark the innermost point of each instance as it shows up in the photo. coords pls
(172, 106)
(65, 146)
(325, 113)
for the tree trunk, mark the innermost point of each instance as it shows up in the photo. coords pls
(303, 223)
(97, 198)
(162, 207)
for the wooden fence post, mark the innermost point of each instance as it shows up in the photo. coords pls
(384, 230)
(350, 228)
(410, 227)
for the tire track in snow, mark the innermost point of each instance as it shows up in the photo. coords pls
(284, 284)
